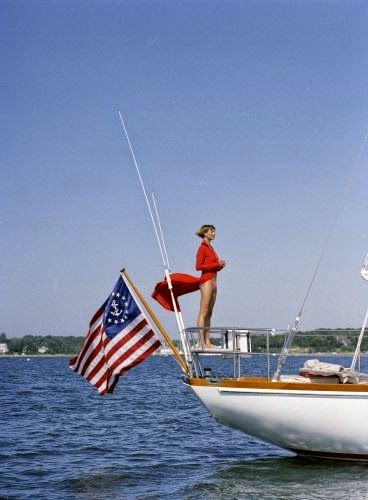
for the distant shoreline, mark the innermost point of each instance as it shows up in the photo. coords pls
(36, 355)
(272, 354)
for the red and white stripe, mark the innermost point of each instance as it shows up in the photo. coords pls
(101, 360)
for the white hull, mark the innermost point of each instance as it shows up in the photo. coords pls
(319, 422)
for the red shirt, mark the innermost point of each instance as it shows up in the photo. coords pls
(207, 261)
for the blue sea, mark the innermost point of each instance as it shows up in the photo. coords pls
(151, 439)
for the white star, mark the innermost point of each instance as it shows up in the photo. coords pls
(109, 320)
(118, 294)
(126, 304)
(122, 320)
(116, 322)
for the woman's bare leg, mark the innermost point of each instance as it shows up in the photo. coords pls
(208, 297)
(207, 340)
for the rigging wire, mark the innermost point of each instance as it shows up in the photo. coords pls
(162, 246)
(292, 328)
(144, 191)
(161, 233)
(364, 275)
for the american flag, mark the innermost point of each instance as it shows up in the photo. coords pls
(119, 337)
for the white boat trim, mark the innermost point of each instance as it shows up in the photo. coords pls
(292, 392)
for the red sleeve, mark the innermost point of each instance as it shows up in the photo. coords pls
(200, 262)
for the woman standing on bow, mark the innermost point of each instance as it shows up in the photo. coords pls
(208, 262)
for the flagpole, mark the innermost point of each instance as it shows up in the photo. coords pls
(175, 351)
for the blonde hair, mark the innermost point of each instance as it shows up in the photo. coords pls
(203, 230)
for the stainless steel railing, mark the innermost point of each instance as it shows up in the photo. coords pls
(230, 342)
(237, 344)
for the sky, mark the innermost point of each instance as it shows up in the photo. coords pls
(249, 115)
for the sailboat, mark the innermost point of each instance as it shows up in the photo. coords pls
(321, 411)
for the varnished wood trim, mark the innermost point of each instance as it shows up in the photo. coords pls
(263, 383)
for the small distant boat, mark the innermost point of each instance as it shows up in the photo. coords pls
(165, 350)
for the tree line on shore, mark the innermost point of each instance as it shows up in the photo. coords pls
(323, 340)
(37, 344)
(339, 340)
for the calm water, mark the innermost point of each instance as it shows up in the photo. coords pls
(151, 439)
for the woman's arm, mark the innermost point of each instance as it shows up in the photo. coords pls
(213, 267)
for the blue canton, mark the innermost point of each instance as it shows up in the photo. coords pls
(121, 309)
